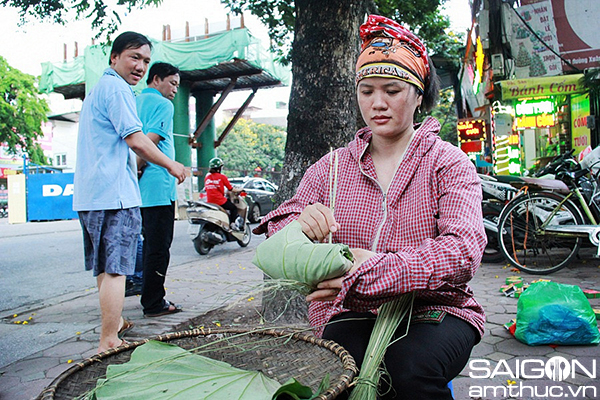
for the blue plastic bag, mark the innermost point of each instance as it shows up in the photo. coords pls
(555, 313)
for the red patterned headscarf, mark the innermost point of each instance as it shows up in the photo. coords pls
(389, 50)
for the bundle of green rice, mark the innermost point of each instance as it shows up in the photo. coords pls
(290, 255)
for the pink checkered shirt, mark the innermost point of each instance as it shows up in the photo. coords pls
(427, 230)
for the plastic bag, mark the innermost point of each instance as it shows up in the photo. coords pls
(555, 313)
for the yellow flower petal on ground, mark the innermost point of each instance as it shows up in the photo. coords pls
(69, 361)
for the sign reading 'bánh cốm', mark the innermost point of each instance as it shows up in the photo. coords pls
(546, 86)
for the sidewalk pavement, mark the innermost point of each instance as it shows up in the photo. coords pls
(209, 283)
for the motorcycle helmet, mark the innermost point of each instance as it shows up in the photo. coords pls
(215, 163)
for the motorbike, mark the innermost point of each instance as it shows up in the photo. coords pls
(209, 224)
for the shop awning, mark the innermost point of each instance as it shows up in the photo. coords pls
(544, 86)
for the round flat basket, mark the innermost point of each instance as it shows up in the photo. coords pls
(278, 354)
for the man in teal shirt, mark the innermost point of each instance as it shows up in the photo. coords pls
(157, 187)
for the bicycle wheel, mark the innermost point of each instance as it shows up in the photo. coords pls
(522, 242)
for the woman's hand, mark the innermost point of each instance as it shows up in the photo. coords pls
(329, 289)
(317, 222)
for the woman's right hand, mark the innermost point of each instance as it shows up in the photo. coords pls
(317, 222)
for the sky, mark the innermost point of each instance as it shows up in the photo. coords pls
(26, 47)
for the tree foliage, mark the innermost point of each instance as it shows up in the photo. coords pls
(250, 145)
(21, 113)
(279, 16)
(105, 16)
(445, 112)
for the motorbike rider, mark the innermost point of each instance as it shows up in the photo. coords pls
(215, 184)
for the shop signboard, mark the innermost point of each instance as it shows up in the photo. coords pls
(50, 197)
(471, 129)
(580, 110)
(534, 107)
(475, 146)
(534, 41)
(534, 113)
(507, 155)
(545, 86)
(576, 24)
(535, 121)
(471, 136)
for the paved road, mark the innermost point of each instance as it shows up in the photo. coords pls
(42, 260)
(41, 266)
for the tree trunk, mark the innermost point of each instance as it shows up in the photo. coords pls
(322, 108)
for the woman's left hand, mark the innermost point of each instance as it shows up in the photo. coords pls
(329, 289)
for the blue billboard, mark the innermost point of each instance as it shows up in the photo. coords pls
(50, 197)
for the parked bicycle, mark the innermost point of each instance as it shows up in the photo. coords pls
(543, 228)
(496, 193)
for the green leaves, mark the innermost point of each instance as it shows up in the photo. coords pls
(159, 370)
(294, 390)
(105, 15)
(250, 145)
(21, 112)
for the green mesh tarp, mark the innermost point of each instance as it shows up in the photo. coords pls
(62, 74)
(188, 56)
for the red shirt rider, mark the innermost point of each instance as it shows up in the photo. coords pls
(215, 184)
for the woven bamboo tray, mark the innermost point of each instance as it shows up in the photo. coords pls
(279, 354)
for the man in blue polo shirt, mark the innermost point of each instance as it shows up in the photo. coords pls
(157, 187)
(106, 193)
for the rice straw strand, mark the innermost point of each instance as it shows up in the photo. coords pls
(332, 184)
(387, 322)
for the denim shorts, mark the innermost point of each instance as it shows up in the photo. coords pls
(110, 240)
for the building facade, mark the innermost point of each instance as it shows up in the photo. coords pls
(525, 83)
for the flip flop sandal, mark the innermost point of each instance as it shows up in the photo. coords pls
(166, 310)
(126, 327)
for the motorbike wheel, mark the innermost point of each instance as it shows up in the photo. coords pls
(492, 253)
(200, 245)
(254, 215)
(521, 239)
(247, 236)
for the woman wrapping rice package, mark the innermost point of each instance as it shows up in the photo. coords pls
(409, 207)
